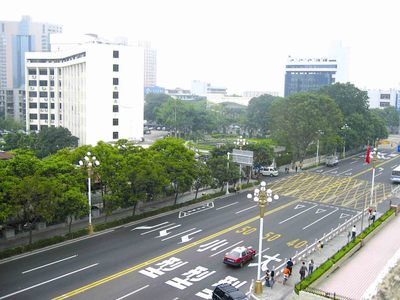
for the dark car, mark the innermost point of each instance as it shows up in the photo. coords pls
(239, 256)
(227, 291)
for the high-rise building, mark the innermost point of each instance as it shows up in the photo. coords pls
(310, 74)
(12, 104)
(383, 98)
(94, 89)
(150, 63)
(16, 38)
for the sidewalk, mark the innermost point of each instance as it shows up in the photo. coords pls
(357, 278)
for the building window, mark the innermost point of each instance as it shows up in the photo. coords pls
(43, 94)
(51, 71)
(115, 81)
(115, 95)
(385, 96)
(115, 68)
(52, 117)
(43, 105)
(43, 82)
(115, 135)
(384, 104)
(32, 71)
(43, 117)
(115, 108)
(33, 127)
(51, 82)
(42, 71)
(51, 94)
(32, 82)
(115, 122)
(32, 94)
(33, 105)
(33, 116)
(115, 54)
(52, 106)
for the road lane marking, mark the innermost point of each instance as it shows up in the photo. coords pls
(238, 212)
(281, 222)
(164, 232)
(180, 233)
(158, 228)
(168, 254)
(49, 264)
(134, 292)
(321, 218)
(227, 205)
(344, 172)
(47, 281)
(148, 227)
(223, 250)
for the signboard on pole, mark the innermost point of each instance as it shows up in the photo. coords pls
(242, 157)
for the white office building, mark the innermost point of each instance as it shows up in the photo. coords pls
(382, 98)
(94, 89)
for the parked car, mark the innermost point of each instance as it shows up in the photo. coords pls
(332, 161)
(226, 291)
(269, 171)
(239, 256)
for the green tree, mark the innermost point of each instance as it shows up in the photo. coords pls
(17, 140)
(72, 204)
(297, 121)
(258, 119)
(222, 171)
(391, 117)
(51, 139)
(203, 177)
(8, 123)
(152, 103)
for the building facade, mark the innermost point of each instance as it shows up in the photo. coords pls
(12, 104)
(310, 74)
(202, 88)
(383, 98)
(94, 89)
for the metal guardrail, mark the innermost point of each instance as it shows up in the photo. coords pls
(329, 295)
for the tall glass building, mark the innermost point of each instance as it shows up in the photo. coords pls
(309, 74)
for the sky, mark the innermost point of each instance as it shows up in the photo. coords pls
(239, 44)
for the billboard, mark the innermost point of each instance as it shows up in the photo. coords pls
(242, 157)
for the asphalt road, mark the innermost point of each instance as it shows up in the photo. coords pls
(179, 256)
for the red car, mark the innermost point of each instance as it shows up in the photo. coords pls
(239, 256)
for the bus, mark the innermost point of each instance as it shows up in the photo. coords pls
(395, 174)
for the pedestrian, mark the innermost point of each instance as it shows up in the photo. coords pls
(373, 216)
(320, 246)
(289, 265)
(310, 267)
(235, 188)
(286, 273)
(295, 168)
(353, 232)
(267, 279)
(272, 275)
(302, 271)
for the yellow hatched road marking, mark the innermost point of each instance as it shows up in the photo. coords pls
(166, 255)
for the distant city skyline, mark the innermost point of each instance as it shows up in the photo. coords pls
(241, 45)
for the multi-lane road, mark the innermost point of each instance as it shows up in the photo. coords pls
(179, 256)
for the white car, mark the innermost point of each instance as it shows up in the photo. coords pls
(269, 171)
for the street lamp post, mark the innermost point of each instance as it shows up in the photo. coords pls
(344, 128)
(240, 142)
(227, 182)
(373, 174)
(317, 159)
(89, 162)
(263, 196)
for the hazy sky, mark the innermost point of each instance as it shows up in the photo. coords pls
(242, 45)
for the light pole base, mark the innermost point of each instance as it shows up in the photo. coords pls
(90, 228)
(258, 288)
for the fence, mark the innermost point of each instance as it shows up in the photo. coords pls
(328, 295)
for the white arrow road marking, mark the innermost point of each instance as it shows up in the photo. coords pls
(281, 222)
(224, 250)
(299, 206)
(321, 218)
(380, 169)
(158, 228)
(49, 264)
(47, 281)
(320, 210)
(148, 227)
(186, 238)
(343, 215)
(134, 292)
(164, 231)
(262, 251)
(227, 205)
(178, 234)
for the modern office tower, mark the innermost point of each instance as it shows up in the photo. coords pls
(94, 89)
(150, 63)
(12, 104)
(16, 38)
(309, 74)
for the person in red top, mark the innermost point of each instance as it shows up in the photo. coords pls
(286, 272)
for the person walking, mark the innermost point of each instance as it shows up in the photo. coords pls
(272, 275)
(353, 232)
(267, 279)
(303, 270)
(310, 267)
(373, 216)
(320, 246)
(286, 273)
(289, 265)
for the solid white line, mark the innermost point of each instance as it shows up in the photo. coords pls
(178, 234)
(321, 218)
(281, 222)
(49, 264)
(227, 205)
(134, 292)
(334, 169)
(262, 251)
(223, 250)
(143, 233)
(238, 212)
(44, 282)
(344, 172)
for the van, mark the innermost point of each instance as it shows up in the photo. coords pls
(332, 161)
(269, 171)
(227, 291)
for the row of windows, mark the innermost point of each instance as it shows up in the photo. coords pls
(32, 71)
(42, 83)
(43, 105)
(33, 94)
(43, 117)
